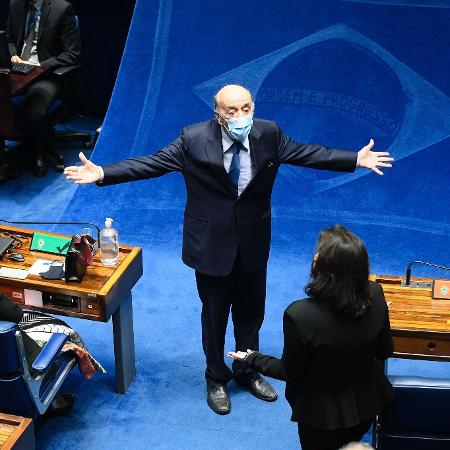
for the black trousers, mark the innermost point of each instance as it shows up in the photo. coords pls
(38, 99)
(245, 295)
(315, 439)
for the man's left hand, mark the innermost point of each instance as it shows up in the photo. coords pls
(372, 160)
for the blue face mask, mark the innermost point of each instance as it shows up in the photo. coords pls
(239, 129)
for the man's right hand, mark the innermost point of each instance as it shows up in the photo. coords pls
(17, 59)
(85, 174)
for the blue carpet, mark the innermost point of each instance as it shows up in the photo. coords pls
(165, 407)
(335, 72)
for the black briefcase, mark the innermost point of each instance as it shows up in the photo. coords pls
(80, 255)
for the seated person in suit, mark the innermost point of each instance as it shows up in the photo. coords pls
(36, 330)
(44, 33)
(331, 342)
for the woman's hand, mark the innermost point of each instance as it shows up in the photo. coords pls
(240, 356)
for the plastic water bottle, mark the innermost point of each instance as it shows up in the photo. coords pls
(109, 244)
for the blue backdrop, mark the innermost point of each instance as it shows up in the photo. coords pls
(334, 72)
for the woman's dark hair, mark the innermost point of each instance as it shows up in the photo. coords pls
(340, 272)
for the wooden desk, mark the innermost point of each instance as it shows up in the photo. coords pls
(104, 293)
(16, 433)
(420, 325)
(19, 82)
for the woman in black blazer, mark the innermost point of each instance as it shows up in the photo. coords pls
(331, 342)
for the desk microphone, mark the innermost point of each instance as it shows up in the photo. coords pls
(408, 270)
(55, 223)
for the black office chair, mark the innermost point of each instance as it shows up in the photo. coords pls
(28, 388)
(419, 416)
(61, 111)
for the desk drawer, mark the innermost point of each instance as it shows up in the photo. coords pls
(13, 293)
(426, 348)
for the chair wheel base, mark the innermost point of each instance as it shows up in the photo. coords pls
(59, 168)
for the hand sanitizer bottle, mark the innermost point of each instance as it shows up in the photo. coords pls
(109, 244)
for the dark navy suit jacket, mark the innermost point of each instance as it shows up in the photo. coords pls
(218, 223)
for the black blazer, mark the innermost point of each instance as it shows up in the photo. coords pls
(328, 363)
(59, 42)
(9, 311)
(216, 222)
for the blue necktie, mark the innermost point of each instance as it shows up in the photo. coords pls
(30, 32)
(235, 166)
(33, 13)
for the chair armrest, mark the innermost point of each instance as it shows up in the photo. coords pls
(6, 325)
(65, 70)
(414, 382)
(50, 352)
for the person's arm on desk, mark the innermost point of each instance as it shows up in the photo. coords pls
(18, 59)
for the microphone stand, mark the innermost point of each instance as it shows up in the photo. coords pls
(408, 272)
(54, 223)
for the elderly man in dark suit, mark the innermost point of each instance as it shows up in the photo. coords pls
(44, 33)
(229, 165)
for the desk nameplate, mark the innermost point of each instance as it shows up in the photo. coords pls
(13, 293)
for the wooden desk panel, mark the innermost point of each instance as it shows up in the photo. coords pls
(19, 82)
(420, 325)
(102, 287)
(16, 433)
(104, 293)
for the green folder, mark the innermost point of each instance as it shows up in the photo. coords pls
(50, 244)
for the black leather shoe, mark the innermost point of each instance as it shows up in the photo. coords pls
(259, 387)
(218, 399)
(60, 405)
(40, 165)
(7, 171)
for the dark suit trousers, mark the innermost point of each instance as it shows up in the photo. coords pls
(245, 294)
(38, 98)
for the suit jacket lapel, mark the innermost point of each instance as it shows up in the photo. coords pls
(256, 151)
(21, 34)
(214, 152)
(46, 6)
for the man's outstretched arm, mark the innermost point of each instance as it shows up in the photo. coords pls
(170, 159)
